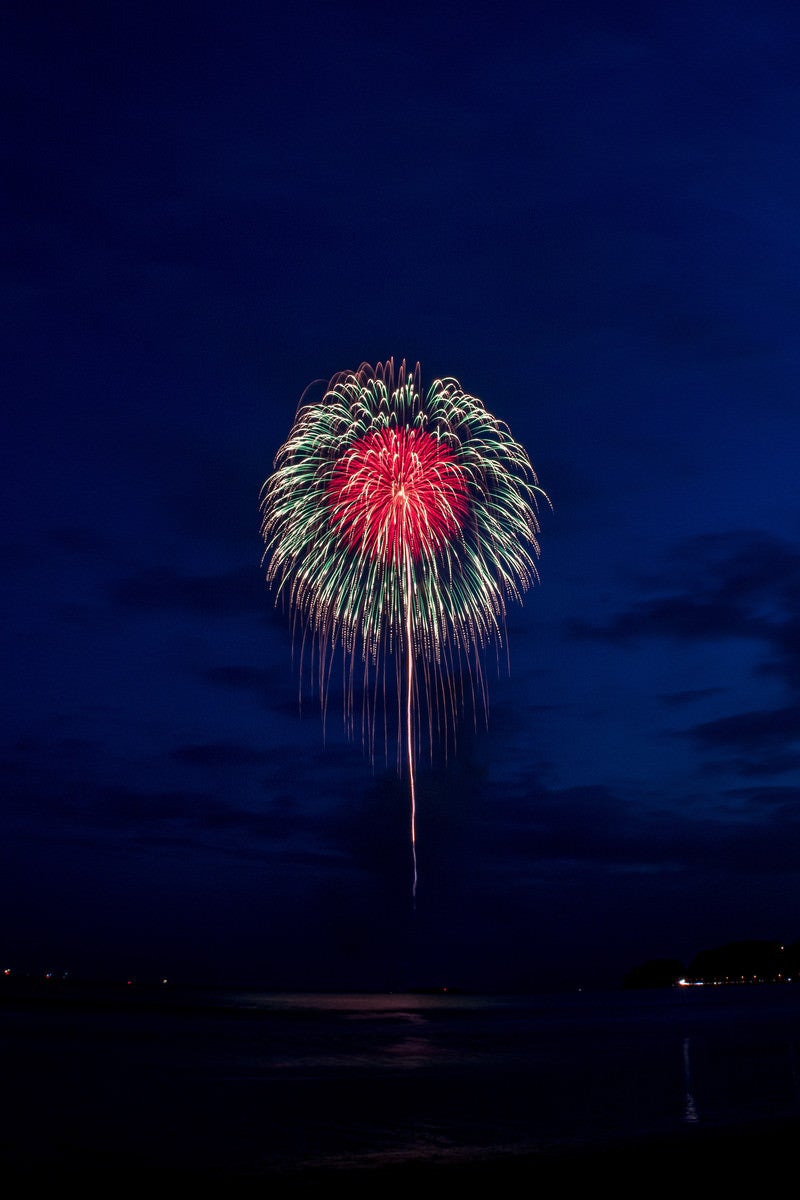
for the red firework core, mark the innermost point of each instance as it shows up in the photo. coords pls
(396, 491)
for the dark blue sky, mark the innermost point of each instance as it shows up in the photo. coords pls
(587, 213)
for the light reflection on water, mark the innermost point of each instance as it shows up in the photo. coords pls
(368, 1004)
(281, 1080)
(689, 1107)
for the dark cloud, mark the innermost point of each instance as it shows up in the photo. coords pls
(219, 754)
(533, 832)
(679, 699)
(278, 691)
(785, 664)
(758, 730)
(260, 680)
(677, 616)
(90, 813)
(237, 591)
(590, 824)
(267, 796)
(737, 585)
(593, 826)
(785, 797)
(728, 584)
(248, 678)
(772, 763)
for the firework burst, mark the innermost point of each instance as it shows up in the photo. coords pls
(397, 527)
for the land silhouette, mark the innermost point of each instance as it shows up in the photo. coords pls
(743, 962)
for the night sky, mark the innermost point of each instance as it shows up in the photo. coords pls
(586, 213)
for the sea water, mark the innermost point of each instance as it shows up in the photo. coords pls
(251, 1082)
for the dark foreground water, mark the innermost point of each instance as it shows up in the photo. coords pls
(248, 1083)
